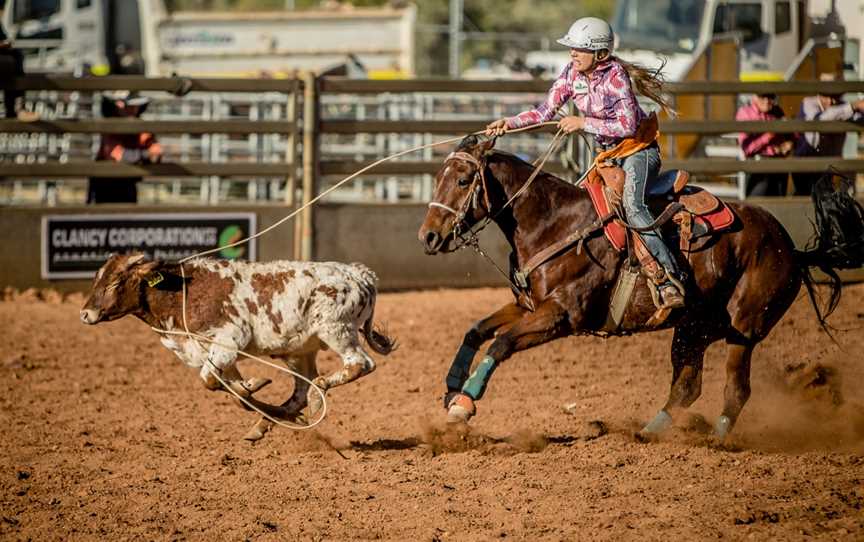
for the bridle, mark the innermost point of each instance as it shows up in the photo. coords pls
(468, 235)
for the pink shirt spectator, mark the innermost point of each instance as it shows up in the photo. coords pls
(759, 144)
(604, 96)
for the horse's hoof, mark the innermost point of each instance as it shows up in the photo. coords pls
(645, 437)
(449, 397)
(461, 409)
(722, 428)
(258, 430)
(660, 423)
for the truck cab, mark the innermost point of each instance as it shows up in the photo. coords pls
(672, 33)
(131, 37)
(81, 37)
(771, 32)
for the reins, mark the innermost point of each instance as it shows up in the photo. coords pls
(471, 237)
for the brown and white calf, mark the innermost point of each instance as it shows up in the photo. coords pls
(287, 310)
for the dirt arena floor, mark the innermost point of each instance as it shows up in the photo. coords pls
(107, 436)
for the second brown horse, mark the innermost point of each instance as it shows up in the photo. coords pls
(740, 282)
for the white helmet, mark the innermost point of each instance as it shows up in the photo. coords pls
(589, 33)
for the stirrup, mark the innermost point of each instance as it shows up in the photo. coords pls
(671, 297)
(667, 297)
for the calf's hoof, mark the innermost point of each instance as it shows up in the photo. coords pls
(314, 397)
(254, 384)
(461, 409)
(247, 388)
(258, 430)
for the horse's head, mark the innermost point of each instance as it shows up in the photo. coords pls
(461, 197)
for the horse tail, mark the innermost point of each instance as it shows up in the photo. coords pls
(838, 242)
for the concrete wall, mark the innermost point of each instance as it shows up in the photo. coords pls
(384, 237)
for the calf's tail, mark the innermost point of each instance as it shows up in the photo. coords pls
(839, 239)
(377, 337)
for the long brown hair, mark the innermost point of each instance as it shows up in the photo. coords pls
(648, 83)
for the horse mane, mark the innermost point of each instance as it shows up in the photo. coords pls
(469, 142)
(565, 186)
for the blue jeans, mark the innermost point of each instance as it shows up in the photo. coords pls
(642, 169)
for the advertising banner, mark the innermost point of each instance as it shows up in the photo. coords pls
(76, 246)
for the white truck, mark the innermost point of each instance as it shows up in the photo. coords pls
(101, 37)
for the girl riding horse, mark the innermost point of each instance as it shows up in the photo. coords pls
(741, 280)
(600, 86)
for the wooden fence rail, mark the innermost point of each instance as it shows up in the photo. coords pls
(245, 127)
(359, 86)
(313, 89)
(141, 83)
(666, 126)
(136, 126)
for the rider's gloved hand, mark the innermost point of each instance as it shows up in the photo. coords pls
(497, 128)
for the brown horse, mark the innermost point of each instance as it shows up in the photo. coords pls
(740, 282)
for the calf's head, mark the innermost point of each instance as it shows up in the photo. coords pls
(117, 288)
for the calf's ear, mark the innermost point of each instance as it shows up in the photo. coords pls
(134, 259)
(146, 268)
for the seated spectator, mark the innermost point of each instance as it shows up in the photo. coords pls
(823, 106)
(126, 148)
(764, 107)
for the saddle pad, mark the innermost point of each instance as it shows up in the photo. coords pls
(710, 213)
(715, 221)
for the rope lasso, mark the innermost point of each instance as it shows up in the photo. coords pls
(215, 371)
(352, 177)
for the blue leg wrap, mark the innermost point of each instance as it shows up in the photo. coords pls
(459, 368)
(476, 384)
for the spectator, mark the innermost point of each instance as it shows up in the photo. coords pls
(823, 106)
(126, 148)
(766, 145)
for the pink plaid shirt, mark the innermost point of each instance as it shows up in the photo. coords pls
(604, 97)
(760, 144)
